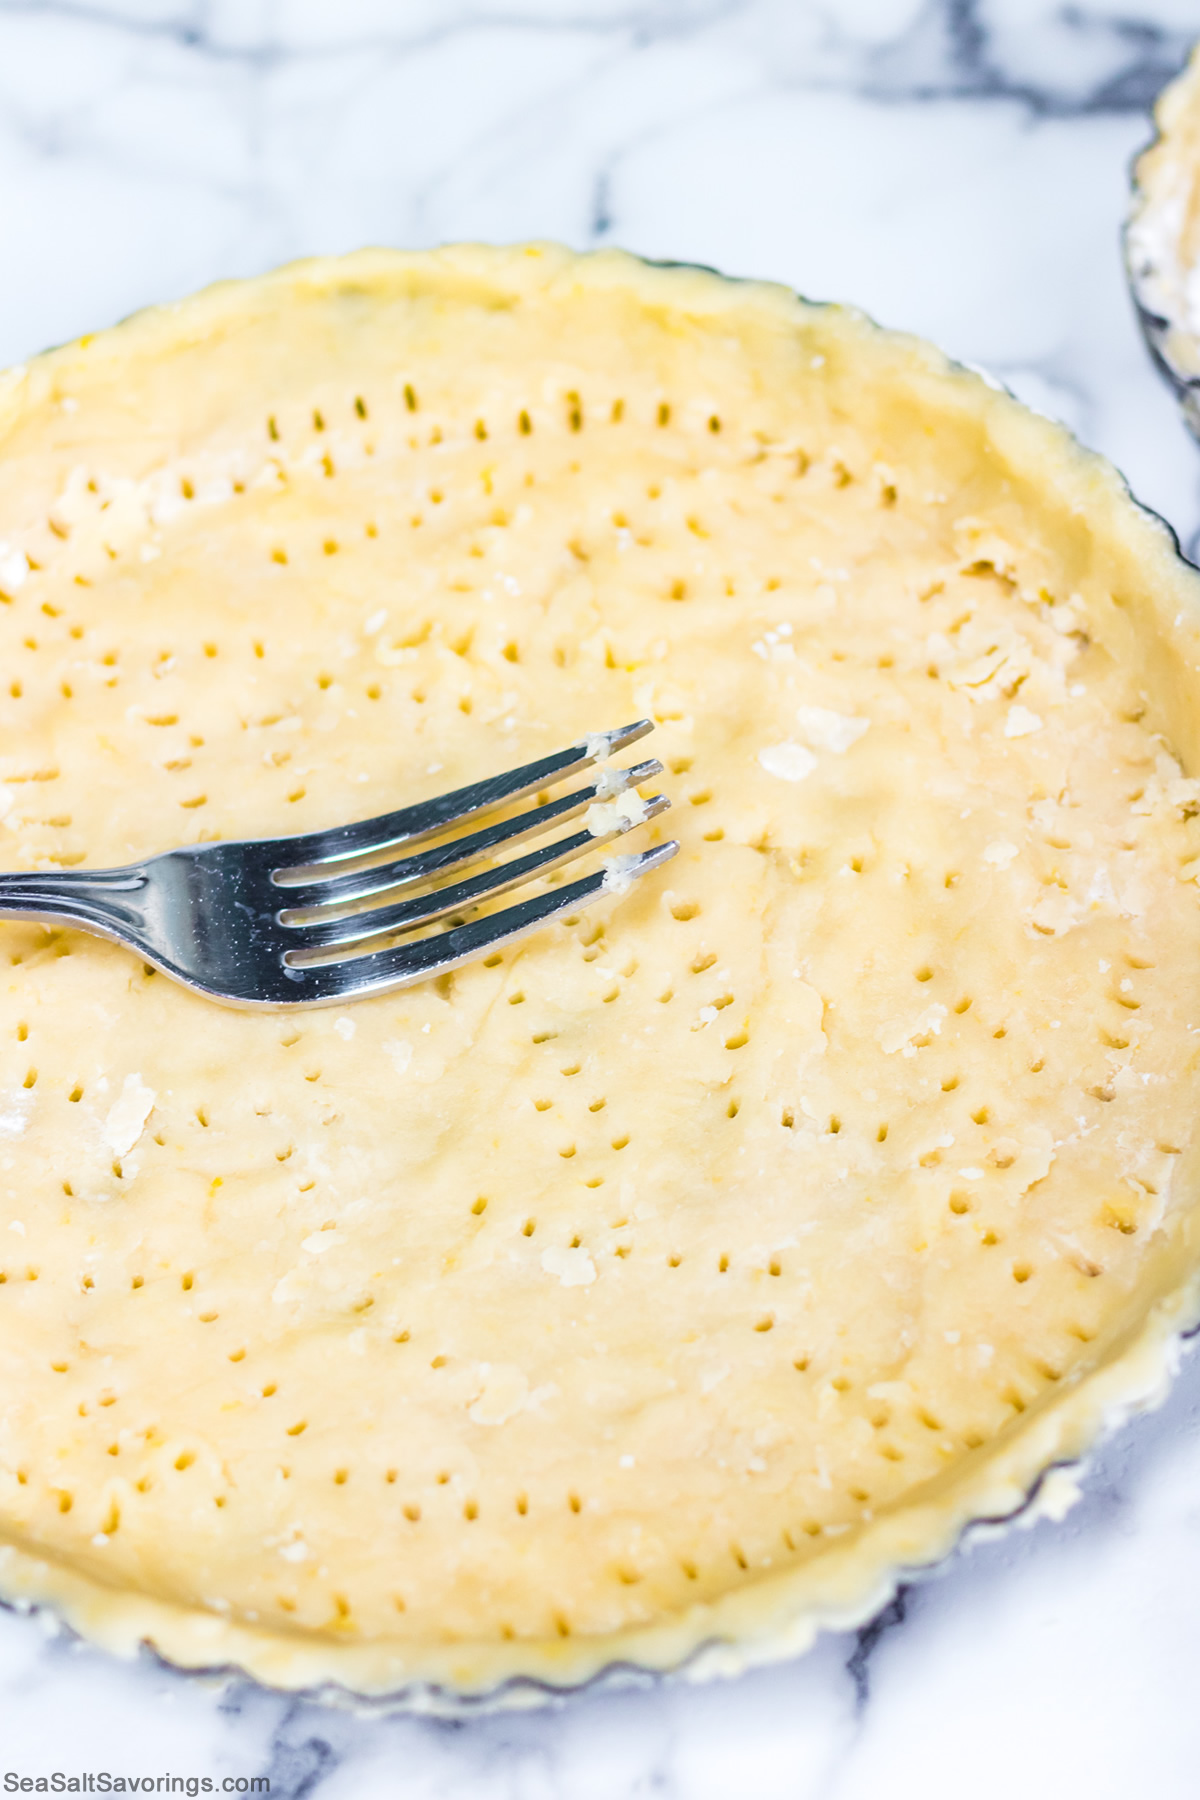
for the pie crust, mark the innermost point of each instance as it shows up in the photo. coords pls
(1162, 239)
(661, 1291)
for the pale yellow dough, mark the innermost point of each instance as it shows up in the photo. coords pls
(674, 1277)
(1163, 232)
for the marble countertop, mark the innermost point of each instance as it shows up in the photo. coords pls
(958, 168)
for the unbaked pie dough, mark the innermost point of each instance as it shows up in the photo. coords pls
(660, 1288)
(1162, 238)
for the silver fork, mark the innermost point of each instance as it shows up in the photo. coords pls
(283, 921)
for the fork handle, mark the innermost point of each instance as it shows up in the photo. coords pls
(107, 901)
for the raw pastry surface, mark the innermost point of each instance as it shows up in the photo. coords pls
(683, 1251)
(1163, 233)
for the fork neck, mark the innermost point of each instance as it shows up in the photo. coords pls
(108, 901)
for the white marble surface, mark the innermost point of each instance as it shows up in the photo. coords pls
(958, 167)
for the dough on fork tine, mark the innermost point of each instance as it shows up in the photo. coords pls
(313, 933)
(304, 854)
(210, 915)
(401, 966)
(336, 890)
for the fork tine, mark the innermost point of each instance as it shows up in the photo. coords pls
(436, 903)
(302, 857)
(341, 890)
(405, 964)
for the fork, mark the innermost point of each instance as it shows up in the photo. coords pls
(283, 922)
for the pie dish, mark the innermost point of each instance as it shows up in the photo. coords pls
(1162, 239)
(659, 1292)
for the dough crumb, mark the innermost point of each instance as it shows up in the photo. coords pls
(787, 761)
(619, 874)
(606, 816)
(574, 1268)
(1021, 722)
(822, 729)
(127, 1116)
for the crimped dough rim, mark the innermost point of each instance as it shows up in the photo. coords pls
(777, 1615)
(1151, 244)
